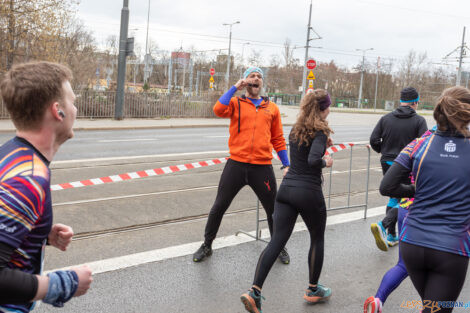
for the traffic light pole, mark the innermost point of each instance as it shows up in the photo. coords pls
(118, 113)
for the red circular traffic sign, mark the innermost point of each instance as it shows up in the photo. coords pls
(311, 64)
(212, 71)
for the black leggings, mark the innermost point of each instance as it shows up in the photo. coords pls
(290, 202)
(437, 275)
(391, 213)
(234, 177)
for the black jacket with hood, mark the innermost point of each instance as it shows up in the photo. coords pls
(395, 130)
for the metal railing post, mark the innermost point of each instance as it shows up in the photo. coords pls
(350, 174)
(329, 188)
(349, 192)
(367, 182)
(258, 235)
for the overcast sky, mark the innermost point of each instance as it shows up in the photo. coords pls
(392, 28)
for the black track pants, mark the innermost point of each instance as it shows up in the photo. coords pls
(437, 275)
(234, 177)
(290, 202)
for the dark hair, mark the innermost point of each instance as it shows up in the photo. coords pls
(452, 111)
(27, 89)
(309, 120)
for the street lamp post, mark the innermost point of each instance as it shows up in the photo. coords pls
(133, 30)
(227, 74)
(147, 57)
(243, 50)
(362, 74)
(123, 51)
(376, 82)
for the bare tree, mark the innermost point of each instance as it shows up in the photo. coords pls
(255, 58)
(33, 29)
(288, 53)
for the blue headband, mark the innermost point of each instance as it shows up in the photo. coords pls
(410, 101)
(251, 70)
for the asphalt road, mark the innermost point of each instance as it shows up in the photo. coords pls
(163, 212)
(120, 143)
(353, 268)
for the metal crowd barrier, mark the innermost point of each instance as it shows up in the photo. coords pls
(365, 144)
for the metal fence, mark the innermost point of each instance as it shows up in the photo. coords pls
(348, 205)
(101, 104)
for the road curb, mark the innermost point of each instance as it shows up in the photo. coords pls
(97, 128)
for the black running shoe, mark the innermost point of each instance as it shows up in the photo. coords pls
(284, 256)
(201, 253)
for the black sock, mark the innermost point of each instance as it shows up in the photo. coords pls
(312, 288)
(257, 292)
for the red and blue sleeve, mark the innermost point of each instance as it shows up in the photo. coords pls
(21, 205)
(405, 158)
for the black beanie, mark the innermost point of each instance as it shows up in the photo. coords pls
(409, 94)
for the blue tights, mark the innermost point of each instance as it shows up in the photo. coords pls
(394, 276)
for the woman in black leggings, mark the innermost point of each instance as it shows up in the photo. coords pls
(435, 236)
(300, 193)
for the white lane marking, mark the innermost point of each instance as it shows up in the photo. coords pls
(128, 140)
(217, 136)
(136, 259)
(136, 157)
(132, 196)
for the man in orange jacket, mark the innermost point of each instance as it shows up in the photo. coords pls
(255, 129)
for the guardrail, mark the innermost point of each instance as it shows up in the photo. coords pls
(101, 104)
(331, 151)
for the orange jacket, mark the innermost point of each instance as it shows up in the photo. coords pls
(254, 132)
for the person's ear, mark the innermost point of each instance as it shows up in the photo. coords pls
(56, 112)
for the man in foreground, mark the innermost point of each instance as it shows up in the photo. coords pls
(40, 101)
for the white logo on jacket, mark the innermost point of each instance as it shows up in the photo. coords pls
(450, 146)
(6, 228)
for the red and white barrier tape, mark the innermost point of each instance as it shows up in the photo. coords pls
(332, 149)
(139, 174)
(168, 169)
(336, 148)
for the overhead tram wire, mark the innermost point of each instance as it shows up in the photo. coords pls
(415, 10)
(273, 44)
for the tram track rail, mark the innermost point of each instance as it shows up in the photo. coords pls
(192, 218)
